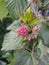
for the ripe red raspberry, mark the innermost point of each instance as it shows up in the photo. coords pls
(22, 31)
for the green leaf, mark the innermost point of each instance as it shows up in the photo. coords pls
(15, 6)
(34, 21)
(46, 58)
(38, 60)
(27, 16)
(43, 48)
(14, 26)
(46, 2)
(12, 41)
(23, 58)
(38, 52)
(23, 17)
(44, 34)
(3, 10)
(8, 56)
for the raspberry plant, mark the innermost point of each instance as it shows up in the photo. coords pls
(27, 42)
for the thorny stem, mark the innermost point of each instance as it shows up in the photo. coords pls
(33, 48)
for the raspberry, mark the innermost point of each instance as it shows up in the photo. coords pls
(22, 31)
